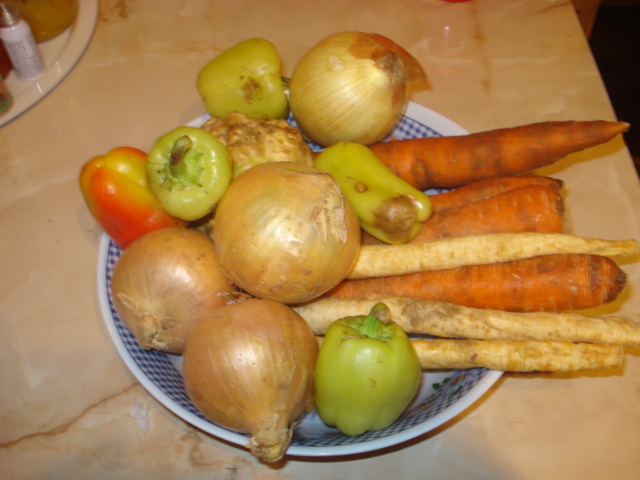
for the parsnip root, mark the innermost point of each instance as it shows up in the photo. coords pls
(446, 320)
(443, 253)
(516, 356)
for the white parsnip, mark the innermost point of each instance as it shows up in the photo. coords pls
(446, 320)
(443, 253)
(496, 339)
(516, 356)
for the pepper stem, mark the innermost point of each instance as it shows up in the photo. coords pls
(372, 327)
(180, 149)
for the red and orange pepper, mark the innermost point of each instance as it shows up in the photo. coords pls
(116, 190)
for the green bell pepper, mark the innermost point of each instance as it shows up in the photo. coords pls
(388, 208)
(189, 170)
(366, 374)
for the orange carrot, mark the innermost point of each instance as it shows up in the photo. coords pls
(449, 162)
(487, 188)
(544, 283)
(534, 208)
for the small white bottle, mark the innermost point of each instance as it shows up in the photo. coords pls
(20, 44)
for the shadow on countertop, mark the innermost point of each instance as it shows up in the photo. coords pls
(615, 43)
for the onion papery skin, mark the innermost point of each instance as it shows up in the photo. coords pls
(352, 87)
(167, 282)
(285, 232)
(250, 368)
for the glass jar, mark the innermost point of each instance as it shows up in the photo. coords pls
(6, 100)
(5, 62)
(47, 18)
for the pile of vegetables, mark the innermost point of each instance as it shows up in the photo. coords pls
(243, 251)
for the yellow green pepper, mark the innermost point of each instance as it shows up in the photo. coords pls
(189, 170)
(388, 208)
(246, 79)
(366, 374)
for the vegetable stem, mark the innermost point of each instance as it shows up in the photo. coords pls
(371, 326)
(180, 149)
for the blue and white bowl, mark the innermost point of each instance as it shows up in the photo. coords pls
(442, 396)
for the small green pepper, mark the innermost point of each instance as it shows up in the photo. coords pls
(246, 79)
(189, 170)
(388, 207)
(366, 374)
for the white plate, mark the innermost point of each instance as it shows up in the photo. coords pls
(60, 55)
(442, 396)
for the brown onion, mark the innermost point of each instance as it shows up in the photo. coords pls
(284, 232)
(250, 368)
(352, 87)
(166, 283)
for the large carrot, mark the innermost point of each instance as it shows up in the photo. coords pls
(484, 189)
(449, 162)
(545, 283)
(532, 208)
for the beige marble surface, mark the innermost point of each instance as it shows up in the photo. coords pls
(66, 398)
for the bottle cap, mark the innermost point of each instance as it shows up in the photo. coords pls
(9, 15)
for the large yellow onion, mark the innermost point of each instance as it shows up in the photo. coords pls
(284, 232)
(167, 282)
(250, 368)
(352, 87)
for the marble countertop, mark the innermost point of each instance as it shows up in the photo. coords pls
(68, 403)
